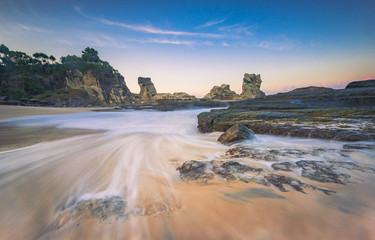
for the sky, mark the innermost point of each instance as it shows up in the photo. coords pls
(191, 46)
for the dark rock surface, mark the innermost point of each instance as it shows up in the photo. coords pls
(359, 146)
(236, 133)
(281, 181)
(347, 114)
(321, 172)
(198, 171)
(361, 84)
(284, 166)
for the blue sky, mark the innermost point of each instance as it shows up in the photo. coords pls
(193, 45)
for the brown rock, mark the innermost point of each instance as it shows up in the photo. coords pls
(148, 90)
(251, 86)
(236, 133)
(222, 93)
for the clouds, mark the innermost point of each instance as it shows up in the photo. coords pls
(31, 28)
(212, 33)
(211, 23)
(152, 30)
(280, 43)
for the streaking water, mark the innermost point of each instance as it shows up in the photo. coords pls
(135, 158)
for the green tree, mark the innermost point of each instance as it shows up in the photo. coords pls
(52, 58)
(4, 49)
(70, 59)
(42, 57)
(90, 55)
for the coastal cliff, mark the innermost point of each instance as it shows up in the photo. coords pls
(74, 81)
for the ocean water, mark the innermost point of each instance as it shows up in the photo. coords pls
(134, 158)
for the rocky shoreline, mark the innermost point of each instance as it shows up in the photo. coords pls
(347, 114)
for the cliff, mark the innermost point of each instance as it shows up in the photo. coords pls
(76, 81)
(106, 87)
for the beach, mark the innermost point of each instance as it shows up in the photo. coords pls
(78, 174)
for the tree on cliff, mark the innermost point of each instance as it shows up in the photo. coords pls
(90, 55)
(41, 57)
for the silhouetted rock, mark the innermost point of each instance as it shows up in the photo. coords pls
(361, 84)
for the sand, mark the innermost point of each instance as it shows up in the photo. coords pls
(22, 111)
(12, 137)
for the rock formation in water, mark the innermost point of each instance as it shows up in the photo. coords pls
(251, 86)
(312, 112)
(221, 93)
(148, 90)
(250, 89)
(236, 133)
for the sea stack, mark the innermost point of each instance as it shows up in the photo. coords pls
(148, 90)
(251, 86)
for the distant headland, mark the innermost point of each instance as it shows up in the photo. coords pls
(88, 81)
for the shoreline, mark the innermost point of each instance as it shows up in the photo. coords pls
(8, 111)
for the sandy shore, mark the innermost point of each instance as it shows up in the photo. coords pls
(22, 111)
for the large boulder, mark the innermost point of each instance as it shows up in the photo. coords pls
(221, 93)
(236, 133)
(148, 90)
(251, 86)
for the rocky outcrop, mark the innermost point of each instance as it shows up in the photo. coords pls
(236, 133)
(251, 86)
(361, 84)
(345, 115)
(106, 87)
(222, 93)
(177, 96)
(148, 90)
(250, 89)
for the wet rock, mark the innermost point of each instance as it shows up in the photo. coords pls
(256, 154)
(265, 154)
(359, 146)
(194, 171)
(322, 172)
(100, 209)
(206, 121)
(229, 170)
(280, 181)
(352, 136)
(284, 166)
(236, 133)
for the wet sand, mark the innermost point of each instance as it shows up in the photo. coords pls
(16, 137)
(39, 183)
(22, 111)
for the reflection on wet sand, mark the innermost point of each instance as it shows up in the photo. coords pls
(129, 185)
